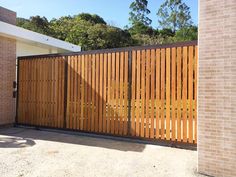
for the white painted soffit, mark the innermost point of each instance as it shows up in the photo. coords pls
(24, 35)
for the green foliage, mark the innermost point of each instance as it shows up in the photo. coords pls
(166, 36)
(140, 28)
(61, 27)
(92, 32)
(187, 34)
(174, 19)
(78, 33)
(98, 36)
(88, 31)
(95, 19)
(174, 14)
(139, 12)
(22, 22)
(166, 32)
(35, 23)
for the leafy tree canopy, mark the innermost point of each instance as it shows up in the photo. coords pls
(174, 14)
(35, 23)
(88, 31)
(139, 12)
(91, 31)
(140, 28)
(95, 19)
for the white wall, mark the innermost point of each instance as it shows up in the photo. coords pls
(24, 49)
(20, 34)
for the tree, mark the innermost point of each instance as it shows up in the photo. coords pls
(22, 22)
(88, 31)
(61, 27)
(92, 32)
(36, 24)
(139, 12)
(174, 14)
(140, 28)
(186, 34)
(166, 32)
(95, 19)
(98, 36)
(40, 24)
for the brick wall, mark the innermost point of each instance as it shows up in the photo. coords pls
(217, 88)
(7, 71)
(7, 16)
(7, 76)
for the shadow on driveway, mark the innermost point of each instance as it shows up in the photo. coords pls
(15, 142)
(22, 137)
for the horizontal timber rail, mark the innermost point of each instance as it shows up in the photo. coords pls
(147, 92)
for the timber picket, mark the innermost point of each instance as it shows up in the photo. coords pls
(126, 85)
(163, 93)
(133, 94)
(117, 88)
(113, 94)
(158, 81)
(152, 93)
(121, 93)
(93, 92)
(143, 106)
(105, 108)
(173, 95)
(101, 101)
(109, 87)
(147, 93)
(179, 81)
(184, 94)
(190, 89)
(167, 94)
(138, 93)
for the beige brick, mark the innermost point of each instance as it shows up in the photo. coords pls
(7, 71)
(7, 76)
(217, 88)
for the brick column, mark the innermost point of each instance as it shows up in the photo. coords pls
(7, 16)
(7, 71)
(217, 88)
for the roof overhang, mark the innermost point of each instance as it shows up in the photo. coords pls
(21, 34)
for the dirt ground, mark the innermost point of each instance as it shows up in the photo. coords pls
(33, 153)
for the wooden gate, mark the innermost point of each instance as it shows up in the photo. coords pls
(146, 92)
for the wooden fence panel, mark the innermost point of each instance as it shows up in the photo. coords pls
(167, 93)
(41, 92)
(90, 92)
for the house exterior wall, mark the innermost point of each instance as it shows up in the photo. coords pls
(217, 88)
(7, 76)
(7, 71)
(24, 49)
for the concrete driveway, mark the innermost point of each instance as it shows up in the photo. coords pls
(32, 153)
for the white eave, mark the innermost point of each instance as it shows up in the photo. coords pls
(22, 34)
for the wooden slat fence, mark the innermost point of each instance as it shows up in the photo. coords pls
(145, 92)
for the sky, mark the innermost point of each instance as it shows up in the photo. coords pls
(114, 12)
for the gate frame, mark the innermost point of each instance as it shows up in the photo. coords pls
(186, 145)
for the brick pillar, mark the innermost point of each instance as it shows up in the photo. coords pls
(217, 88)
(7, 16)
(7, 71)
